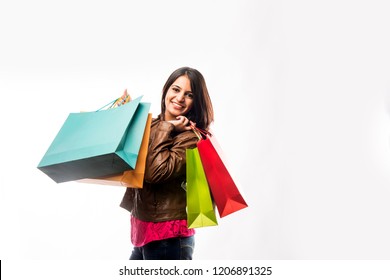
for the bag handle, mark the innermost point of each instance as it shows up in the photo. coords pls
(200, 132)
(117, 102)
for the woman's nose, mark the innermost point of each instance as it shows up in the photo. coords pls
(180, 96)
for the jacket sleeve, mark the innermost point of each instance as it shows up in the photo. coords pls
(166, 159)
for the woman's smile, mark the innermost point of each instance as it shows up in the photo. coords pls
(177, 105)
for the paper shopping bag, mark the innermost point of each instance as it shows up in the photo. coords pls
(226, 195)
(129, 178)
(200, 208)
(96, 144)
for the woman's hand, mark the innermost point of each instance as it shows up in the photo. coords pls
(181, 124)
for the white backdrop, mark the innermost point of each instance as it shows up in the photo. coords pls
(301, 97)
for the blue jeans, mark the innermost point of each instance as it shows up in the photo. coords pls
(179, 248)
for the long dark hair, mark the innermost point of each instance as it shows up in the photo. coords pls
(202, 112)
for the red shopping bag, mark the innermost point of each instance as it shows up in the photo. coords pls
(227, 197)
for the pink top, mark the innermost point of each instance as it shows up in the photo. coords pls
(145, 232)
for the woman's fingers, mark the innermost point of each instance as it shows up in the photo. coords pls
(181, 123)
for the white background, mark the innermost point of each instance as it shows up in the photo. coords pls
(301, 97)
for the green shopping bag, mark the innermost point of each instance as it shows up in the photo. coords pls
(200, 208)
(96, 144)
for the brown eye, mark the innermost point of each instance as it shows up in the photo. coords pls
(189, 95)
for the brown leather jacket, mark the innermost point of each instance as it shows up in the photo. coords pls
(162, 197)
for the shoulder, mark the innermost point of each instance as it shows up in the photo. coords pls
(159, 124)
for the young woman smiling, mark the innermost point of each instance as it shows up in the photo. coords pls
(158, 210)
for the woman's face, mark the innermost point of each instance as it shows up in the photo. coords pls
(179, 98)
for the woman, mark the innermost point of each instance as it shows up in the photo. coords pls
(158, 210)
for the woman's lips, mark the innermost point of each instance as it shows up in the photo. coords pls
(177, 105)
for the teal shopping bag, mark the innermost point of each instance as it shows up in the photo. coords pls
(200, 207)
(96, 144)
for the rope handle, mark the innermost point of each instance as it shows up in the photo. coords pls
(200, 132)
(117, 102)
